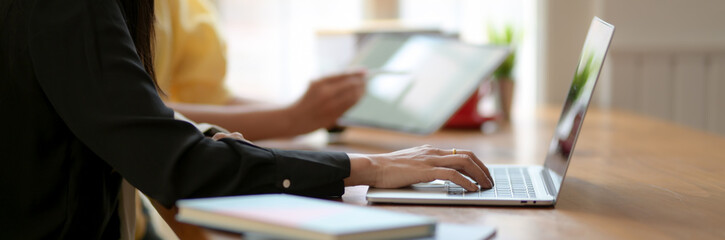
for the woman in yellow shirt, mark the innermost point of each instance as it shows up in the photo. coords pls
(190, 63)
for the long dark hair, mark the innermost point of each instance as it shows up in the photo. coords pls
(140, 19)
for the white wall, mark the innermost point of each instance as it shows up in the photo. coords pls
(565, 24)
(271, 43)
(653, 25)
(667, 58)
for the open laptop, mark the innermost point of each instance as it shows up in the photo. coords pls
(417, 83)
(525, 185)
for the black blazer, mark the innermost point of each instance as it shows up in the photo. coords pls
(79, 112)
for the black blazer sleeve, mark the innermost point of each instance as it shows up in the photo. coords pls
(86, 64)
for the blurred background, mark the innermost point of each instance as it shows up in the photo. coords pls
(667, 59)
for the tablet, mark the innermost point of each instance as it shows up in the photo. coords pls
(416, 83)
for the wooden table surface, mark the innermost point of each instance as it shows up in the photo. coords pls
(631, 177)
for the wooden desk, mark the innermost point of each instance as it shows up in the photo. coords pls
(630, 177)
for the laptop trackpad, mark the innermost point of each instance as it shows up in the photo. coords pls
(432, 184)
(447, 187)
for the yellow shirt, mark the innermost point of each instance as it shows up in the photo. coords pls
(190, 54)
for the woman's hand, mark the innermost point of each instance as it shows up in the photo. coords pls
(418, 164)
(234, 135)
(327, 99)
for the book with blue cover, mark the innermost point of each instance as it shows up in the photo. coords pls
(288, 216)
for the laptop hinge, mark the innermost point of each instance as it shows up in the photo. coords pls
(548, 183)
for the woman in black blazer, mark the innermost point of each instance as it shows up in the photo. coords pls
(81, 111)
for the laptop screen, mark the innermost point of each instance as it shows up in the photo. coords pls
(577, 100)
(416, 83)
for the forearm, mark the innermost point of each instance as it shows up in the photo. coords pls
(255, 121)
(363, 171)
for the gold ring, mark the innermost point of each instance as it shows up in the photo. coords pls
(454, 151)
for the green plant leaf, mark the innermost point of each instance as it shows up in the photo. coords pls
(506, 37)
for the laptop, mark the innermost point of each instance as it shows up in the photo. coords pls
(417, 83)
(525, 185)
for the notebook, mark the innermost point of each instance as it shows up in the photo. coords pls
(444, 231)
(287, 216)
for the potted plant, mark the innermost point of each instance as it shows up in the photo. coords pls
(503, 76)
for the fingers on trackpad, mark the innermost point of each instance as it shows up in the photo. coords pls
(436, 184)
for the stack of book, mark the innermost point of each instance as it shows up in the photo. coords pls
(287, 216)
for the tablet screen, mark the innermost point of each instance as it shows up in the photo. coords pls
(416, 83)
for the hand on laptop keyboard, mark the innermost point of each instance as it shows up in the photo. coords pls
(418, 164)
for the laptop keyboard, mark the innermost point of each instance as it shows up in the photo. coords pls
(508, 183)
